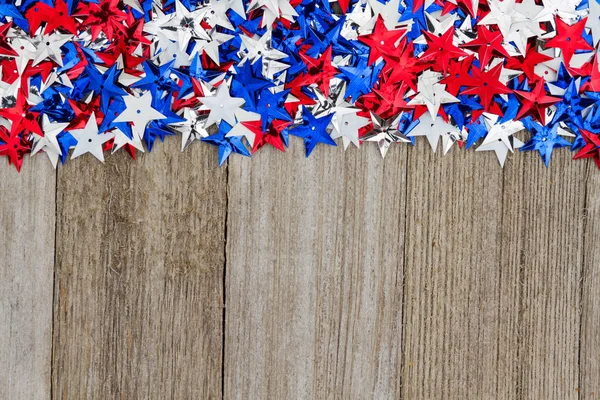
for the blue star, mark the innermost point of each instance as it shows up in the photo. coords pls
(8, 9)
(270, 107)
(545, 139)
(157, 78)
(159, 128)
(227, 145)
(249, 81)
(477, 130)
(313, 131)
(361, 78)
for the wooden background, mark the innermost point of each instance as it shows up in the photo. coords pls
(340, 276)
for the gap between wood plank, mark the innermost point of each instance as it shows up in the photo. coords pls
(499, 309)
(54, 284)
(224, 280)
(404, 297)
(581, 277)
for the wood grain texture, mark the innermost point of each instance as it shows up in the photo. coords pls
(139, 276)
(589, 351)
(542, 245)
(27, 224)
(314, 274)
(454, 332)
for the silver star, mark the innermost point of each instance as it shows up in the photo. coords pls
(210, 45)
(167, 50)
(184, 26)
(48, 47)
(431, 93)
(194, 127)
(272, 10)
(88, 140)
(385, 132)
(500, 137)
(8, 92)
(139, 111)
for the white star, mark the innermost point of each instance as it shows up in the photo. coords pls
(26, 51)
(389, 12)
(434, 129)
(593, 21)
(88, 140)
(139, 111)
(222, 106)
(121, 140)
(239, 129)
(346, 125)
(49, 143)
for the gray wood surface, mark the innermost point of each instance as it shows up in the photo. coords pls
(342, 276)
(139, 276)
(27, 209)
(314, 274)
(589, 351)
(455, 335)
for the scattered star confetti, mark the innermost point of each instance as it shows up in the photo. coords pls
(96, 76)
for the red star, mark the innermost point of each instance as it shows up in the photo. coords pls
(82, 113)
(458, 75)
(103, 17)
(536, 102)
(22, 119)
(488, 44)
(54, 17)
(381, 41)
(569, 38)
(441, 49)
(591, 148)
(320, 70)
(486, 85)
(593, 84)
(389, 100)
(14, 147)
(403, 67)
(127, 39)
(272, 136)
(531, 59)
(5, 49)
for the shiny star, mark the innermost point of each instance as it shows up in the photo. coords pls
(385, 132)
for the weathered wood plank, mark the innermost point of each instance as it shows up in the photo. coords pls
(140, 258)
(314, 274)
(542, 244)
(453, 328)
(589, 352)
(27, 223)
